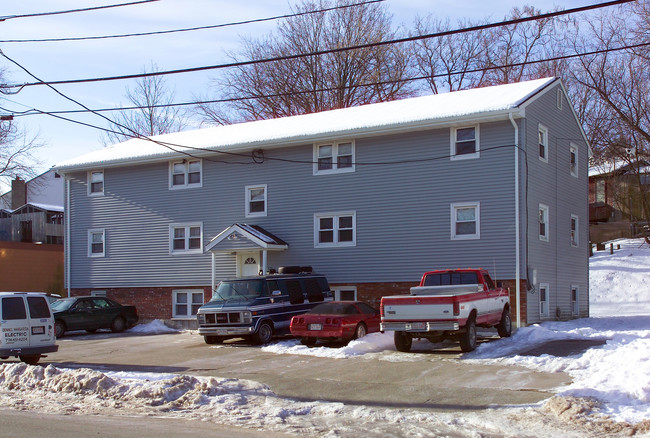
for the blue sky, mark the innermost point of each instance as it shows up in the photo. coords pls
(85, 59)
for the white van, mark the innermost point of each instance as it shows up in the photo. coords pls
(26, 326)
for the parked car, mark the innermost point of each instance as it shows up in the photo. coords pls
(91, 314)
(335, 321)
(26, 326)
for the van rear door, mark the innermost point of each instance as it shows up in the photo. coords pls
(40, 321)
(15, 331)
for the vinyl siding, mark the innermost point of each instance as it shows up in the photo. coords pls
(557, 262)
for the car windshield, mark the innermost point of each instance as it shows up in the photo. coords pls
(63, 304)
(333, 309)
(242, 290)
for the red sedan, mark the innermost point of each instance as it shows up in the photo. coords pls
(335, 321)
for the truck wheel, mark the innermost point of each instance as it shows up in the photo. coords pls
(505, 326)
(30, 359)
(213, 339)
(468, 338)
(264, 334)
(403, 342)
(360, 331)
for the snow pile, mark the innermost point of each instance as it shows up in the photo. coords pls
(372, 343)
(155, 327)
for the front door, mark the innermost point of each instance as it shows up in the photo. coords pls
(248, 264)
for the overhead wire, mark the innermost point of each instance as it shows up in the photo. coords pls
(3, 88)
(70, 11)
(191, 29)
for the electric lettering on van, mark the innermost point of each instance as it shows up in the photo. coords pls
(15, 334)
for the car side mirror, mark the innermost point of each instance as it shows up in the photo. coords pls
(275, 294)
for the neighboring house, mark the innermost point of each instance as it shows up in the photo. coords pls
(31, 235)
(618, 193)
(370, 196)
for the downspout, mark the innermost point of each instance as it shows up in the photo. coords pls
(212, 273)
(517, 236)
(67, 234)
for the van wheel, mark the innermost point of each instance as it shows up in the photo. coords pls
(403, 341)
(264, 334)
(360, 331)
(118, 325)
(213, 339)
(505, 326)
(30, 359)
(59, 329)
(4, 357)
(468, 338)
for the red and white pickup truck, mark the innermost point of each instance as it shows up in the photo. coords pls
(447, 304)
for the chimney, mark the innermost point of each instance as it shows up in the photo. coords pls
(18, 193)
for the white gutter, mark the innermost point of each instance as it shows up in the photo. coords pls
(517, 244)
(67, 233)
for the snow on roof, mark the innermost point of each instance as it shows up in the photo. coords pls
(48, 207)
(378, 118)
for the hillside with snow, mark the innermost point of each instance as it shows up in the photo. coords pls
(609, 394)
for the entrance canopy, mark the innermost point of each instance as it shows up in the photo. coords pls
(238, 237)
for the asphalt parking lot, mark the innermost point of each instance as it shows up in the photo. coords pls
(436, 380)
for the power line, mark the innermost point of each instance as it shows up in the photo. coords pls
(190, 29)
(325, 52)
(33, 111)
(69, 11)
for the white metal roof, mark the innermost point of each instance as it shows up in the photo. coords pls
(373, 119)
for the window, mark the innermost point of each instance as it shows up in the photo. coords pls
(574, 230)
(543, 299)
(98, 293)
(573, 151)
(543, 223)
(186, 238)
(13, 308)
(186, 303)
(559, 99)
(96, 183)
(256, 200)
(465, 142)
(345, 293)
(38, 308)
(465, 221)
(335, 229)
(334, 157)
(96, 243)
(575, 308)
(185, 174)
(543, 143)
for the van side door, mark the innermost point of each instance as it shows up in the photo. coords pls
(40, 321)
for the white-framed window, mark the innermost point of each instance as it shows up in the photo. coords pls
(345, 293)
(96, 183)
(574, 230)
(332, 230)
(186, 238)
(575, 307)
(466, 220)
(96, 243)
(573, 163)
(334, 157)
(543, 299)
(256, 200)
(559, 98)
(465, 142)
(543, 222)
(542, 140)
(186, 303)
(186, 173)
(98, 293)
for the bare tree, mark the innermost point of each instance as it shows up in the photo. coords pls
(314, 83)
(153, 115)
(17, 152)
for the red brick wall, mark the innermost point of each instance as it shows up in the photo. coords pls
(29, 267)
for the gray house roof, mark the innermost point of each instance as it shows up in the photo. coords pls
(418, 113)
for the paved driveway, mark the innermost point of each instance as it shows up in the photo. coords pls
(438, 380)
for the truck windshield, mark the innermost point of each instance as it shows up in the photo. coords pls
(241, 290)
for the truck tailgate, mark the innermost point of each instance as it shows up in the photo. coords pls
(418, 308)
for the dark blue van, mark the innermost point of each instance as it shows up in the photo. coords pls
(256, 308)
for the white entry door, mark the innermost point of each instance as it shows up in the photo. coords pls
(248, 264)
